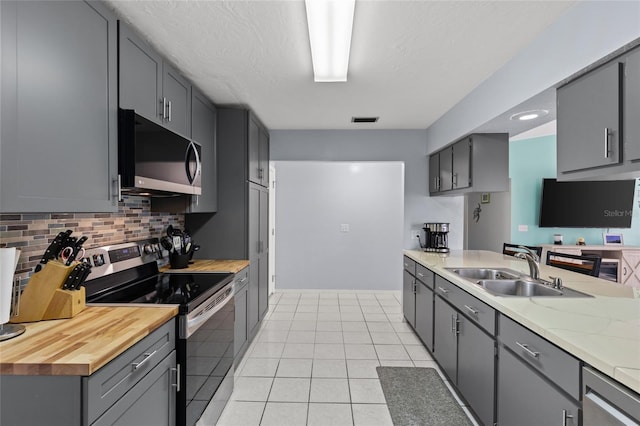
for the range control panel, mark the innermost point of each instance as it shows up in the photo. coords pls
(118, 257)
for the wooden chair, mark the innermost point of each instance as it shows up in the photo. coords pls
(586, 264)
(512, 249)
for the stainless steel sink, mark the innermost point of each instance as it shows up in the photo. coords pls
(518, 287)
(486, 273)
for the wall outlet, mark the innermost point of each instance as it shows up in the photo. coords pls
(344, 227)
(523, 228)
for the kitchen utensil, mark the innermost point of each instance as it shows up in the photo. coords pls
(54, 248)
(166, 244)
(69, 282)
(194, 248)
(170, 231)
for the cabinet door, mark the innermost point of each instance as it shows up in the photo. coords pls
(254, 257)
(630, 268)
(445, 337)
(461, 176)
(58, 107)
(527, 399)
(240, 323)
(476, 369)
(631, 133)
(409, 297)
(424, 314)
(434, 172)
(177, 91)
(254, 150)
(264, 157)
(589, 120)
(203, 131)
(150, 402)
(140, 74)
(446, 169)
(263, 286)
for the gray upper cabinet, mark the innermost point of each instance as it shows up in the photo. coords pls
(598, 122)
(58, 108)
(203, 131)
(434, 173)
(461, 174)
(631, 134)
(476, 163)
(589, 120)
(258, 152)
(151, 86)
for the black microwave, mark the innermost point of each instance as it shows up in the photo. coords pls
(154, 160)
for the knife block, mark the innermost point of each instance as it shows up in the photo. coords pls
(44, 299)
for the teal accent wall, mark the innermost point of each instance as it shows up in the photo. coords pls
(531, 160)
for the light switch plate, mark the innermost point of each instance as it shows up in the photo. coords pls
(523, 228)
(344, 227)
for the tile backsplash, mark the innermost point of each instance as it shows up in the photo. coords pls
(33, 232)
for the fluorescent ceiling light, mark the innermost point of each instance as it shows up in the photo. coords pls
(330, 23)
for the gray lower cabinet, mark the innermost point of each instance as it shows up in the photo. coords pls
(464, 346)
(136, 388)
(240, 336)
(409, 297)
(445, 338)
(526, 398)
(424, 306)
(58, 107)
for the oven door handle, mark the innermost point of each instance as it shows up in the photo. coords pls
(194, 323)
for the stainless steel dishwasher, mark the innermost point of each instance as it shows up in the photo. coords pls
(607, 403)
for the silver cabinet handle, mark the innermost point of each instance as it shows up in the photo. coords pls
(454, 179)
(470, 309)
(163, 113)
(624, 271)
(177, 383)
(118, 182)
(453, 323)
(147, 357)
(527, 350)
(443, 290)
(439, 183)
(607, 133)
(565, 416)
(420, 275)
(406, 265)
(169, 115)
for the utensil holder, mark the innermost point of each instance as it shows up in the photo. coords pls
(44, 299)
(179, 261)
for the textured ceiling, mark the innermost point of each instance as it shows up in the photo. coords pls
(410, 60)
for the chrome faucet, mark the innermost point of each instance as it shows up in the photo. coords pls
(532, 259)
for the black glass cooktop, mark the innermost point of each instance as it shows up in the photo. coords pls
(185, 289)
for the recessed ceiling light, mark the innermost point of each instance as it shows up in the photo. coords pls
(529, 115)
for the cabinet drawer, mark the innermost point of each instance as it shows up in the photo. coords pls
(410, 266)
(424, 275)
(241, 279)
(554, 363)
(111, 382)
(476, 310)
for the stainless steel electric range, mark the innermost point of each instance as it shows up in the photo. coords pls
(128, 273)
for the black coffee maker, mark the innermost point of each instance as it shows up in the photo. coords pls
(436, 238)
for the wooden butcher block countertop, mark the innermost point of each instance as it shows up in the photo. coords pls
(80, 345)
(204, 265)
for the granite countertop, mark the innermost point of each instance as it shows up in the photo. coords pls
(603, 331)
(206, 265)
(80, 345)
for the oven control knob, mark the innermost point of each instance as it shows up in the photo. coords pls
(98, 260)
(148, 249)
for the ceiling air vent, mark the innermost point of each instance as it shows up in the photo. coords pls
(364, 119)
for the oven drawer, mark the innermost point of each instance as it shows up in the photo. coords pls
(106, 386)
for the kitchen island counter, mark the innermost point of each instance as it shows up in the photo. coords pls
(603, 331)
(206, 265)
(81, 345)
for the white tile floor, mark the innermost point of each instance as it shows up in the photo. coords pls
(314, 360)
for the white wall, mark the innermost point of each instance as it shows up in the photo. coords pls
(584, 34)
(339, 225)
(407, 146)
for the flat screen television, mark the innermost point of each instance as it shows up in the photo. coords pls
(587, 204)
